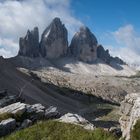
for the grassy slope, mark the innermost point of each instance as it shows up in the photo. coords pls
(53, 130)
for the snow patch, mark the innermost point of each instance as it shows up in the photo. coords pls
(47, 34)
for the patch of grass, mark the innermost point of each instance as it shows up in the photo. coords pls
(135, 133)
(53, 130)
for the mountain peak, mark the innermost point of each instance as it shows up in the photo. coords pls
(84, 29)
(83, 45)
(54, 41)
(56, 20)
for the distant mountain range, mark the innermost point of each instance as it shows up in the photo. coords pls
(54, 44)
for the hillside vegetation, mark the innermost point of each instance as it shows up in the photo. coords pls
(53, 130)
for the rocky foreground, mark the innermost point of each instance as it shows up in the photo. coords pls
(18, 115)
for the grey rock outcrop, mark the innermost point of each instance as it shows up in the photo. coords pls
(130, 109)
(106, 57)
(35, 108)
(15, 108)
(84, 45)
(78, 120)
(54, 40)
(26, 123)
(103, 54)
(29, 45)
(37, 111)
(7, 126)
(52, 113)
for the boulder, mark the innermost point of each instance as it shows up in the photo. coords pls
(7, 126)
(37, 111)
(29, 45)
(84, 45)
(130, 109)
(15, 108)
(52, 113)
(35, 108)
(26, 123)
(54, 40)
(76, 119)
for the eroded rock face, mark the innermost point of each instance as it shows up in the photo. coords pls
(29, 45)
(130, 109)
(84, 45)
(54, 42)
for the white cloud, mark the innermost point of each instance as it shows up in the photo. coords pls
(127, 44)
(8, 47)
(18, 16)
(128, 37)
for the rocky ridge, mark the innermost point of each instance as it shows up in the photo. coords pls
(54, 44)
(130, 109)
(21, 115)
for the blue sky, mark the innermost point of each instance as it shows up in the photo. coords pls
(107, 15)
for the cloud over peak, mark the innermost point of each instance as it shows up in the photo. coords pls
(16, 16)
(127, 44)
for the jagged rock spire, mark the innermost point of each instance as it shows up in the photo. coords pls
(29, 45)
(54, 40)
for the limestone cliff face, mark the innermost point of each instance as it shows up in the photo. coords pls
(84, 45)
(54, 42)
(29, 45)
(130, 109)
